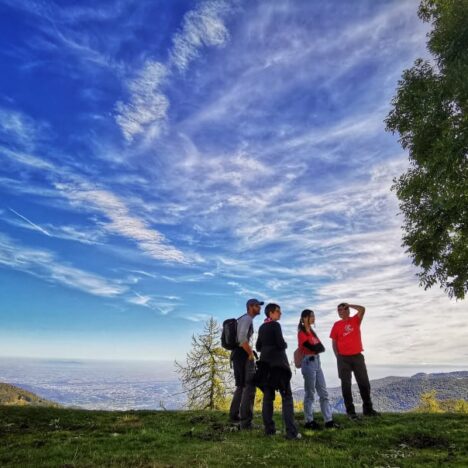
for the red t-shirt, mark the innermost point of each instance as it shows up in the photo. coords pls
(347, 334)
(302, 337)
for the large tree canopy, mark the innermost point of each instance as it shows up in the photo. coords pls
(430, 114)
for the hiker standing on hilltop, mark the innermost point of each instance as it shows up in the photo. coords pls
(243, 363)
(314, 380)
(271, 345)
(347, 345)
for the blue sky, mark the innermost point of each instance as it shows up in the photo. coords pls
(163, 161)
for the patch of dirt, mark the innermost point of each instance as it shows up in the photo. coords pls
(421, 441)
(202, 419)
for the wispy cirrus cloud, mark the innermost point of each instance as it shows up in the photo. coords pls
(18, 129)
(147, 105)
(202, 27)
(26, 158)
(119, 219)
(122, 222)
(270, 175)
(66, 232)
(56, 32)
(369, 269)
(275, 39)
(140, 299)
(159, 303)
(43, 264)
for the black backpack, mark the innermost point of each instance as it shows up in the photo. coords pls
(229, 334)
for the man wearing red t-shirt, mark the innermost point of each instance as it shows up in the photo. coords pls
(347, 345)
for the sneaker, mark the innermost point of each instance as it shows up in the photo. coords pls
(332, 425)
(298, 436)
(269, 434)
(371, 413)
(314, 425)
(353, 417)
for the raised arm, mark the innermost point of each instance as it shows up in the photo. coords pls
(360, 310)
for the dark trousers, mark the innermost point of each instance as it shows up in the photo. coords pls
(244, 396)
(347, 365)
(287, 406)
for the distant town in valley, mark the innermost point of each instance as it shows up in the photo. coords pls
(129, 385)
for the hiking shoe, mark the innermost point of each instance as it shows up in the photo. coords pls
(314, 425)
(353, 417)
(332, 425)
(371, 413)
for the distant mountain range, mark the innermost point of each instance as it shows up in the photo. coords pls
(396, 394)
(11, 395)
(390, 394)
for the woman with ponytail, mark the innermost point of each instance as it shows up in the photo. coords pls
(314, 380)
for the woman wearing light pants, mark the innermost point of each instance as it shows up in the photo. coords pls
(314, 380)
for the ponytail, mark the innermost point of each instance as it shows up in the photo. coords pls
(305, 313)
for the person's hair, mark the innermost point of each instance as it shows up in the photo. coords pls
(305, 313)
(269, 308)
(342, 304)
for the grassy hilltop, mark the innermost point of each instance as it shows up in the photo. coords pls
(11, 395)
(58, 437)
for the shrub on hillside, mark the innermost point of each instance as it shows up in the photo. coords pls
(430, 404)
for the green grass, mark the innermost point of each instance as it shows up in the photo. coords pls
(67, 438)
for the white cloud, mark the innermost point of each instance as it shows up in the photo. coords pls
(148, 105)
(21, 130)
(44, 265)
(60, 32)
(277, 174)
(66, 232)
(122, 222)
(140, 299)
(274, 40)
(402, 320)
(28, 159)
(146, 110)
(162, 304)
(120, 219)
(196, 317)
(201, 27)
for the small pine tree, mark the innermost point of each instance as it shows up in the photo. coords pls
(206, 376)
